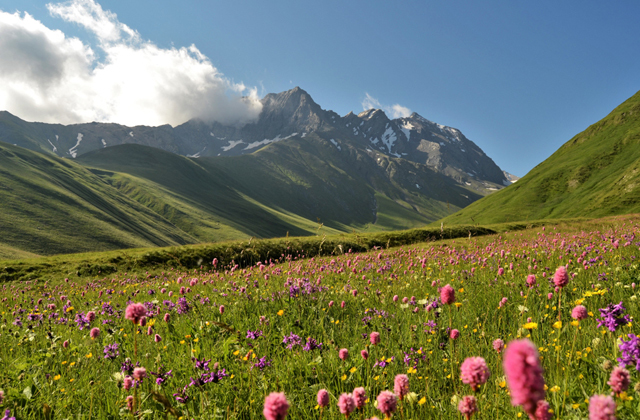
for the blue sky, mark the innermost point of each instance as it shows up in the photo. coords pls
(517, 78)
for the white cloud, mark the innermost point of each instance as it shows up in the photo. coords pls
(393, 111)
(47, 76)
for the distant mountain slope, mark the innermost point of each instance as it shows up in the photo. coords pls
(596, 173)
(290, 114)
(49, 205)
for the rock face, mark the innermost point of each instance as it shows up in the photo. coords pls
(285, 115)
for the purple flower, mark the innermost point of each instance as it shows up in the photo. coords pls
(161, 377)
(311, 344)
(111, 351)
(262, 363)
(7, 413)
(292, 340)
(202, 364)
(613, 317)
(630, 352)
(183, 306)
(254, 335)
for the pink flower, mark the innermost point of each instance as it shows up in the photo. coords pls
(157, 338)
(401, 385)
(135, 312)
(579, 313)
(346, 404)
(374, 338)
(531, 280)
(503, 302)
(331, 303)
(65, 344)
(360, 396)
(221, 309)
(500, 271)
(542, 411)
(94, 333)
(342, 305)
(364, 354)
(619, 379)
(387, 403)
(602, 407)
(395, 298)
(498, 345)
(447, 295)
(166, 317)
(127, 383)
(524, 375)
(454, 334)
(323, 398)
(474, 372)
(139, 373)
(561, 278)
(343, 354)
(129, 401)
(467, 406)
(91, 316)
(275, 406)
(550, 296)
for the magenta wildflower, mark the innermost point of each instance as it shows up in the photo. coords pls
(374, 338)
(127, 383)
(166, 317)
(346, 404)
(467, 406)
(447, 295)
(542, 411)
(454, 334)
(474, 372)
(364, 354)
(602, 407)
(524, 375)
(91, 316)
(129, 401)
(619, 380)
(401, 385)
(323, 398)
(343, 354)
(221, 309)
(387, 403)
(157, 338)
(531, 280)
(139, 373)
(579, 313)
(561, 278)
(135, 312)
(498, 345)
(275, 406)
(94, 333)
(360, 396)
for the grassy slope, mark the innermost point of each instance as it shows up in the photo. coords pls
(596, 173)
(50, 205)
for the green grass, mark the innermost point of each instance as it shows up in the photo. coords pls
(42, 378)
(595, 174)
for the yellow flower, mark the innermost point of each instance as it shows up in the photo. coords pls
(458, 304)
(411, 370)
(530, 326)
(555, 388)
(422, 400)
(182, 341)
(195, 340)
(70, 308)
(72, 364)
(575, 323)
(57, 377)
(353, 369)
(557, 325)
(280, 312)
(88, 356)
(237, 352)
(375, 378)
(344, 377)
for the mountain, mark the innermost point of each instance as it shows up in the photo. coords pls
(285, 115)
(297, 170)
(596, 173)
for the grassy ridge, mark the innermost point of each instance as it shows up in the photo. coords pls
(247, 253)
(595, 174)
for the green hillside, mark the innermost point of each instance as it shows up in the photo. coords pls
(595, 174)
(50, 205)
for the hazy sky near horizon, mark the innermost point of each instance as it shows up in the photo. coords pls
(517, 78)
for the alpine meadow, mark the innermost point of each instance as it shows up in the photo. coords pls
(178, 242)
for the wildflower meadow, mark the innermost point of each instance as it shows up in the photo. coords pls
(536, 324)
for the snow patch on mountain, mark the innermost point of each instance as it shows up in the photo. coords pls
(389, 138)
(74, 150)
(197, 155)
(55, 149)
(267, 141)
(231, 145)
(131, 133)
